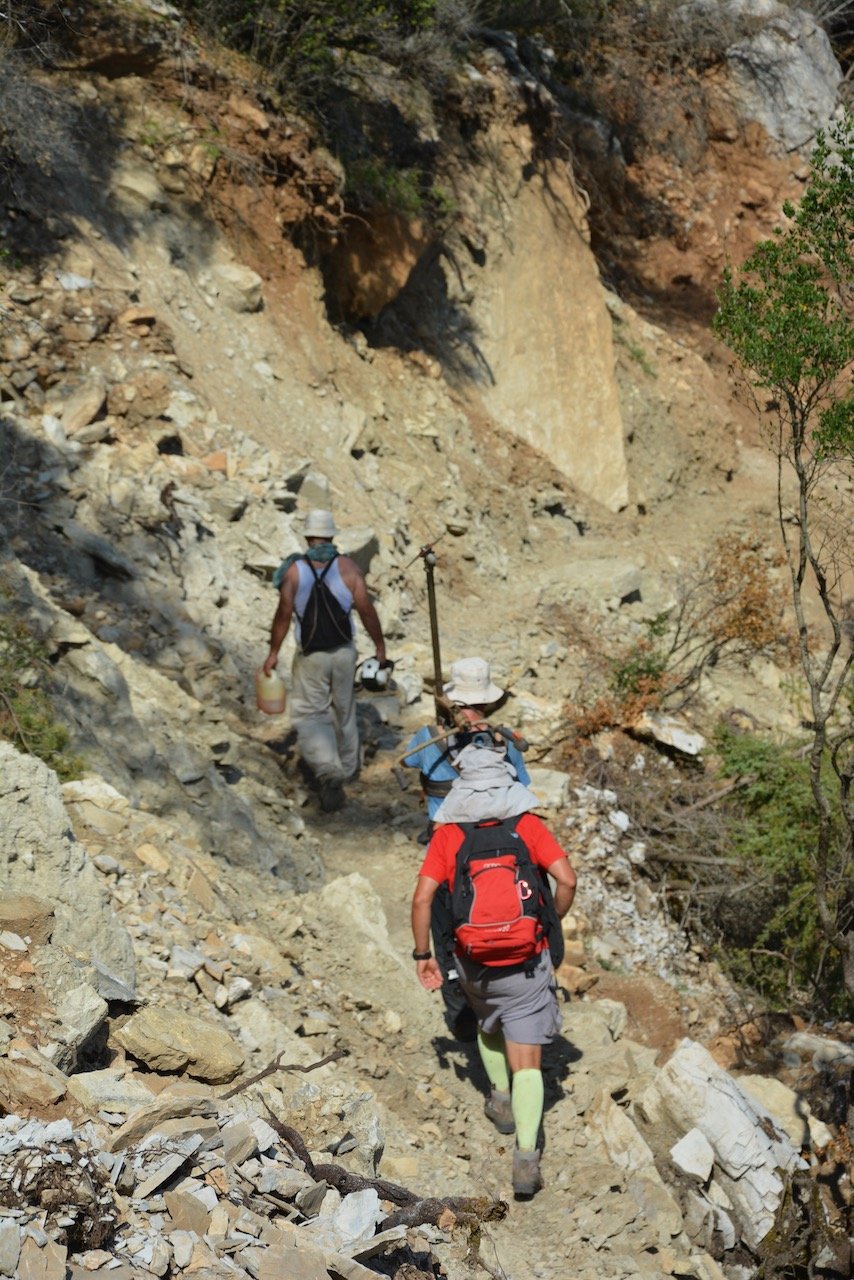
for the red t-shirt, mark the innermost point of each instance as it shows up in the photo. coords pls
(440, 861)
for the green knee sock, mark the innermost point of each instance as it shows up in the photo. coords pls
(527, 1103)
(494, 1060)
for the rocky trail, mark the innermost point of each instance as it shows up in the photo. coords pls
(181, 916)
(233, 973)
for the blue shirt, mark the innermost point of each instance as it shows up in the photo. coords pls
(436, 761)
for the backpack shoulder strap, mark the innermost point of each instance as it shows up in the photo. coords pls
(318, 577)
(487, 835)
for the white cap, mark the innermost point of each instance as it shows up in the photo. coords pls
(319, 524)
(471, 683)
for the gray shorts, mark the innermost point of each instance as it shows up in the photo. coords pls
(522, 1005)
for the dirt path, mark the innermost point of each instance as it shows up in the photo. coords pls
(435, 1087)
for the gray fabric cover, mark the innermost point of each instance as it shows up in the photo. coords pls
(486, 788)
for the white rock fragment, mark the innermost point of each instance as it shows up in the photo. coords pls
(694, 1155)
(696, 1093)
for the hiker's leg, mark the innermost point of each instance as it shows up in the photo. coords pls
(343, 693)
(311, 715)
(523, 1057)
(527, 1092)
(494, 1059)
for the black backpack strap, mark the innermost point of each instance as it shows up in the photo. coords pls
(318, 578)
(489, 834)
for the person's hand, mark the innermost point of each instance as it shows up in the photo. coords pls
(429, 974)
(270, 664)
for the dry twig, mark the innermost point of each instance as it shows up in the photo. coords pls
(278, 1065)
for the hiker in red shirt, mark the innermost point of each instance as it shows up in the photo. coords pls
(493, 854)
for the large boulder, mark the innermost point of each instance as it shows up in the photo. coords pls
(752, 1156)
(782, 73)
(571, 411)
(171, 1040)
(40, 857)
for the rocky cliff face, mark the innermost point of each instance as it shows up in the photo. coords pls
(173, 397)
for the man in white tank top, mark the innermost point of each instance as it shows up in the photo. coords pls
(323, 702)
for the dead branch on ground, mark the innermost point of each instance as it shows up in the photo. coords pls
(278, 1065)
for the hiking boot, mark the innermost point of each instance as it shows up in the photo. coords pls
(498, 1109)
(527, 1179)
(332, 795)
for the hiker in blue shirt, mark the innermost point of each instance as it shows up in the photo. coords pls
(471, 693)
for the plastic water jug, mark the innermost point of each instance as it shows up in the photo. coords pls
(269, 693)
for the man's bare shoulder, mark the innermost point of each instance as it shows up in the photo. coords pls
(291, 578)
(349, 570)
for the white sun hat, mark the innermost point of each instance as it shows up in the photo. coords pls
(319, 524)
(471, 683)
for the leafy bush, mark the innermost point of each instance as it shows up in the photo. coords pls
(372, 182)
(303, 44)
(768, 919)
(26, 715)
(786, 315)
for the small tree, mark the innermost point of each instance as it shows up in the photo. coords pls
(787, 314)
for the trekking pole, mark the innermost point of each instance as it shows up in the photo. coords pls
(428, 555)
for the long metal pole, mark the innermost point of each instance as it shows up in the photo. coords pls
(429, 565)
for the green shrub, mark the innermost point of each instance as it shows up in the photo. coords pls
(26, 714)
(770, 933)
(303, 43)
(371, 181)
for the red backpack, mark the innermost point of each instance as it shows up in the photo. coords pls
(499, 911)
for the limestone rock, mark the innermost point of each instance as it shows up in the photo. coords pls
(598, 579)
(693, 1155)
(354, 901)
(566, 334)
(360, 544)
(23, 1085)
(33, 820)
(81, 1011)
(28, 916)
(239, 287)
(168, 1106)
(785, 74)
(618, 1135)
(41, 1263)
(10, 1248)
(788, 1109)
(110, 1089)
(751, 1163)
(106, 556)
(84, 404)
(170, 1040)
(552, 788)
(821, 1050)
(138, 189)
(670, 732)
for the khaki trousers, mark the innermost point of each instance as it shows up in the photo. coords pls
(323, 712)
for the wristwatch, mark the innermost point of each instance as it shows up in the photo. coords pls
(422, 955)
